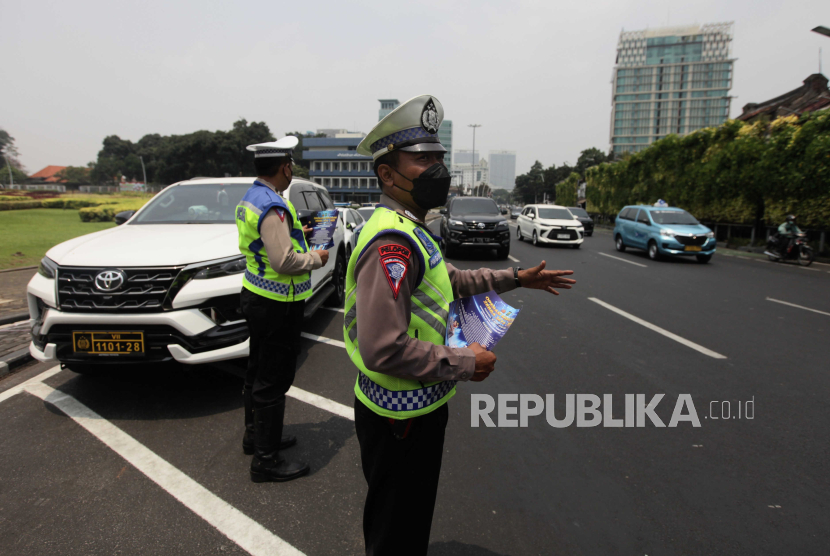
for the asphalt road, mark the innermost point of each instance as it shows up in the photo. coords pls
(158, 467)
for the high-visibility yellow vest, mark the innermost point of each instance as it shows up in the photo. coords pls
(399, 398)
(260, 277)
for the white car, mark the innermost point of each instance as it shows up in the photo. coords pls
(353, 223)
(549, 224)
(165, 285)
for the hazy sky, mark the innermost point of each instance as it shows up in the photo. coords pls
(535, 74)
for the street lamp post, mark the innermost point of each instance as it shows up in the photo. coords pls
(474, 126)
(11, 176)
(141, 158)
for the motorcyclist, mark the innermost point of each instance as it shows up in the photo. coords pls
(787, 232)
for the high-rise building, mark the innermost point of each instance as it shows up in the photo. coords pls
(465, 156)
(335, 164)
(669, 80)
(503, 169)
(444, 131)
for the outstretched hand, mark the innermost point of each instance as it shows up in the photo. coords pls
(537, 278)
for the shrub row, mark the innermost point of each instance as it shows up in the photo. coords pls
(75, 204)
(19, 205)
(106, 213)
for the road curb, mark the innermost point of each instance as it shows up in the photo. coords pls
(19, 268)
(15, 317)
(13, 360)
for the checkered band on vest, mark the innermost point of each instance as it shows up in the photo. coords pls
(405, 400)
(269, 285)
(302, 287)
(405, 135)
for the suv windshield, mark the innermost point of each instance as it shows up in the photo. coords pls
(673, 217)
(203, 203)
(578, 212)
(555, 214)
(475, 206)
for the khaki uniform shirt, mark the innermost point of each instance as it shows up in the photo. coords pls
(384, 344)
(276, 236)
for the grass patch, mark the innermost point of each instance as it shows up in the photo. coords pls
(35, 231)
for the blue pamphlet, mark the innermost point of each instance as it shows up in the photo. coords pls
(323, 224)
(482, 318)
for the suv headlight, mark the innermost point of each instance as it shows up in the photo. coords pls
(502, 225)
(710, 235)
(219, 270)
(667, 233)
(456, 223)
(47, 268)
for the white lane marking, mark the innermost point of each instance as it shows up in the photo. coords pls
(623, 260)
(813, 269)
(323, 340)
(19, 325)
(323, 403)
(4, 301)
(745, 258)
(35, 379)
(659, 330)
(797, 306)
(512, 258)
(339, 310)
(822, 264)
(241, 529)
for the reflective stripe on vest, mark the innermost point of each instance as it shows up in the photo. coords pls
(389, 396)
(260, 277)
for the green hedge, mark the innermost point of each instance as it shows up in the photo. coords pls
(14, 198)
(106, 213)
(75, 204)
(19, 205)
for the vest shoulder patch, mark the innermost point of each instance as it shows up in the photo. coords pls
(394, 259)
(281, 213)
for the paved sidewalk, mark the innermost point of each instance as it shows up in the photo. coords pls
(13, 291)
(14, 337)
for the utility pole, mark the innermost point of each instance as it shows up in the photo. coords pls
(474, 126)
(141, 158)
(11, 176)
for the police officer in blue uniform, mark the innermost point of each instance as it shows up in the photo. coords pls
(276, 283)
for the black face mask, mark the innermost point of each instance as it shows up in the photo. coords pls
(430, 189)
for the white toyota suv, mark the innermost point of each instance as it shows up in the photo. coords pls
(165, 285)
(549, 224)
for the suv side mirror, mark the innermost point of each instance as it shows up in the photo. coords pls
(123, 216)
(443, 211)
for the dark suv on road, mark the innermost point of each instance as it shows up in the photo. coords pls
(584, 219)
(474, 222)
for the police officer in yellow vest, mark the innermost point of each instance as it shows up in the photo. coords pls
(398, 290)
(276, 281)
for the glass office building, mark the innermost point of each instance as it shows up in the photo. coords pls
(670, 80)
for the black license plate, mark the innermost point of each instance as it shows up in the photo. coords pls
(108, 343)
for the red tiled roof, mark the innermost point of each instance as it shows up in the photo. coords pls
(48, 174)
(811, 96)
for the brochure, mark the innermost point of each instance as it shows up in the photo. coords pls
(323, 224)
(482, 318)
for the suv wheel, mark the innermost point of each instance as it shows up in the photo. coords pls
(653, 253)
(502, 252)
(703, 259)
(535, 238)
(619, 244)
(519, 234)
(338, 280)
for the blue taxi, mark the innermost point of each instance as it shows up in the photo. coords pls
(663, 231)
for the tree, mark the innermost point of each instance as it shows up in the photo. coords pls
(589, 158)
(9, 161)
(74, 175)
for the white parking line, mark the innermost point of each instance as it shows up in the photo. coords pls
(241, 529)
(323, 340)
(338, 309)
(512, 258)
(623, 260)
(323, 403)
(797, 306)
(19, 388)
(659, 330)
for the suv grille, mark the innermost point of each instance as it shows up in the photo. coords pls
(691, 240)
(474, 226)
(141, 290)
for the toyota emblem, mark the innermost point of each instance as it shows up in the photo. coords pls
(480, 226)
(109, 280)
